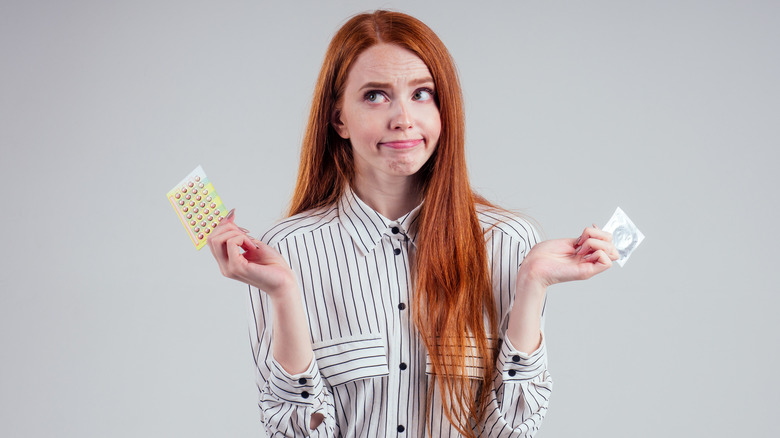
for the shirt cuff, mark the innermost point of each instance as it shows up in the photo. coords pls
(516, 366)
(302, 389)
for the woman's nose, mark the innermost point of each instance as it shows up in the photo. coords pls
(401, 119)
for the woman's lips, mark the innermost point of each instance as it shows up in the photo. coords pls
(401, 144)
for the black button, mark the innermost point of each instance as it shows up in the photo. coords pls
(305, 394)
(401, 306)
(401, 428)
(511, 373)
(397, 251)
(516, 358)
(302, 381)
(394, 230)
(402, 366)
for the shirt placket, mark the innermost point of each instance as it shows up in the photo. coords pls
(400, 296)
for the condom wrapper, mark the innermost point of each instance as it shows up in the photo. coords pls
(197, 205)
(625, 235)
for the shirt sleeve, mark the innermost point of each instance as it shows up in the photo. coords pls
(520, 394)
(522, 386)
(287, 402)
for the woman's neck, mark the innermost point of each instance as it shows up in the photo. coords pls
(392, 197)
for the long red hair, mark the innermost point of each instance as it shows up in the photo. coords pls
(453, 293)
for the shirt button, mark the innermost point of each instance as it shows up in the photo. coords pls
(394, 230)
(516, 358)
(305, 394)
(402, 366)
(397, 251)
(401, 428)
(401, 306)
(511, 373)
(302, 381)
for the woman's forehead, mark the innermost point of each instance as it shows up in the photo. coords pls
(388, 63)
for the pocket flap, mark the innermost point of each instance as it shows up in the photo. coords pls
(351, 358)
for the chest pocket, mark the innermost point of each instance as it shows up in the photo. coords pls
(347, 359)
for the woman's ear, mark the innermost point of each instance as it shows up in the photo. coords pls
(338, 125)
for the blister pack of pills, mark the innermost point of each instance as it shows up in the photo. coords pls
(625, 235)
(197, 205)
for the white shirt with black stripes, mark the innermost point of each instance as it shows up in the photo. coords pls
(369, 376)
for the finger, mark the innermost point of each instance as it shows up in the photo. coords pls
(258, 243)
(611, 251)
(260, 253)
(224, 227)
(593, 244)
(220, 234)
(241, 241)
(229, 218)
(599, 258)
(235, 262)
(249, 243)
(608, 247)
(212, 245)
(593, 232)
(217, 242)
(230, 221)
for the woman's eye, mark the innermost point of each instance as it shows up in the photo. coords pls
(423, 94)
(375, 97)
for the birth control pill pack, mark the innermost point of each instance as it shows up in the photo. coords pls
(197, 205)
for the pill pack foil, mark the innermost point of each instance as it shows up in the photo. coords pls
(197, 205)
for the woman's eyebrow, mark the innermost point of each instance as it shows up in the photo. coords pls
(385, 85)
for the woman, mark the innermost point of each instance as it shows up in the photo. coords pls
(393, 300)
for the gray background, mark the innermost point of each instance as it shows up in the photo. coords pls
(111, 324)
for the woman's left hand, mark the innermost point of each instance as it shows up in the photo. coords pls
(550, 262)
(560, 260)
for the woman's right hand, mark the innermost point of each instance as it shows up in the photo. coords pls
(248, 260)
(251, 261)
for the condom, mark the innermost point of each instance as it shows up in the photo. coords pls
(625, 235)
(197, 205)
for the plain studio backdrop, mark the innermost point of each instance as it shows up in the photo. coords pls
(113, 325)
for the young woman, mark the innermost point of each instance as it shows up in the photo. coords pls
(394, 301)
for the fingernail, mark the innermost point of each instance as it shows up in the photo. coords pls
(578, 241)
(244, 230)
(589, 256)
(230, 213)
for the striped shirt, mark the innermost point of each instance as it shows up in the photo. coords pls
(370, 375)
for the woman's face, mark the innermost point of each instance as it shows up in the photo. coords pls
(388, 113)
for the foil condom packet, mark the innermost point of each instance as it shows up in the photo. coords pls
(625, 235)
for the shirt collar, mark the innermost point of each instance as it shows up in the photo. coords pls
(366, 226)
